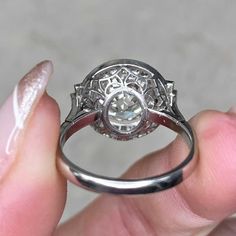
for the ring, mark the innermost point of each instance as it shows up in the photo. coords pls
(125, 99)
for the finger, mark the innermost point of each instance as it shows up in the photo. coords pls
(194, 207)
(32, 194)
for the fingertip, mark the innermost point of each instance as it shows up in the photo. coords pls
(33, 192)
(17, 110)
(210, 190)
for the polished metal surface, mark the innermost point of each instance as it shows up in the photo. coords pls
(125, 99)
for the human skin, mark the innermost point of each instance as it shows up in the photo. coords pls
(33, 192)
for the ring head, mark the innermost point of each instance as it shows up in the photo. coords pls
(126, 99)
(123, 91)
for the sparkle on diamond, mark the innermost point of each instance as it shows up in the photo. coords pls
(124, 112)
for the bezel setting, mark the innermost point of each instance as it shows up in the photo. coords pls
(143, 83)
(124, 133)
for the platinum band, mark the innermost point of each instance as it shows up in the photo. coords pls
(98, 183)
(167, 115)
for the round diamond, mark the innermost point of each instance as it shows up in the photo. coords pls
(125, 112)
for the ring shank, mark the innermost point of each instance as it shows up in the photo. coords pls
(100, 183)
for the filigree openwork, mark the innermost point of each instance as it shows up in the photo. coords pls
(122, 93)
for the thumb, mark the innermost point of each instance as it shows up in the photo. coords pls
(194, 207)
(32, 194)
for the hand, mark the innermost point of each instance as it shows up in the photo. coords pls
(33, 192)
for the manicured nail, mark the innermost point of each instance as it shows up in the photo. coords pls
(18, 108)
(25, 96)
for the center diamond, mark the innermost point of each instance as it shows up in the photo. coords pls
(125, 112)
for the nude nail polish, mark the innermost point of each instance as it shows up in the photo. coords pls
(16, 111)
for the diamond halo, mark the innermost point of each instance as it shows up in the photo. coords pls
(123, 93)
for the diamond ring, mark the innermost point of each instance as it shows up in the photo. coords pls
(125, 99)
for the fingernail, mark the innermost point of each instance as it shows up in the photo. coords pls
(18, 108)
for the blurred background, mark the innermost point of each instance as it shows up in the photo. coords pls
(190, 42)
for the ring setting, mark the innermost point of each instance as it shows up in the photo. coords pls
(125, 99)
